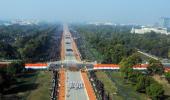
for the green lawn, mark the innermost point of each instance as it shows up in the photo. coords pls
(108, 85)
(126, 91)
(31, 85)
(21, 85)
(43, 90)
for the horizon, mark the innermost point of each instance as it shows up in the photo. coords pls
(115, 11)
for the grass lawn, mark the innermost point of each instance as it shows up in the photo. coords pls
(126, 91)
(31, 85)
(21, 87)
(108, 84)
(43, 90)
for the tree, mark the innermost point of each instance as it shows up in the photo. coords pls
(167, 75)
(140, 85)
(155, 67)
(10, 70)
(126, 67)
(143, 82)
(155, 91)
(128, 63)
(134, 76)
(7, 51)
(135, 58)
(15, 67)
(115, 53)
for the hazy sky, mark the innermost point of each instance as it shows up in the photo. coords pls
(117, 11)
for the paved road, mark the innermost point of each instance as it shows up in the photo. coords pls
(70, 57)
(75, 89)
(68, 42)
(149, 55)
(75, 93)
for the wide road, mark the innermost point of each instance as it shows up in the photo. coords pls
(71, 53)
(75, 93)
(74, 84)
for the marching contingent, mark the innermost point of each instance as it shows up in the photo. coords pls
(75, 84)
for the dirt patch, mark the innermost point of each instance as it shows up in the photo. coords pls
(62, 77)
(88, 87)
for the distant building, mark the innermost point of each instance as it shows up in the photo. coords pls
(24, 22)
(144, 29)
(101, 23)
(165, 22)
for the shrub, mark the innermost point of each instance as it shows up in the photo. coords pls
(155, 91)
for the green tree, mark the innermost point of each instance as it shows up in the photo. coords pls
(169, 53)
(155, 91)
(126, 65)
(10, 70)
(167, 75)
(143, 82)
(133, 76)
(155, 67)
(114, 54)
(15, 67)
(140, 85)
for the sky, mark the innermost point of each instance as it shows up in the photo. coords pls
(116, 11)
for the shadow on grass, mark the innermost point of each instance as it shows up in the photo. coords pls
(23, 78)
(10, 97)
(21, 88)
(27, 75)
(17, 82)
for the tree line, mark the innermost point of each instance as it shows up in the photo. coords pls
(29, 43)
(115, 42)
(143, 82)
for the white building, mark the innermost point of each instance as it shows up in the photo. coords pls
(25, 22)
(144, 29)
